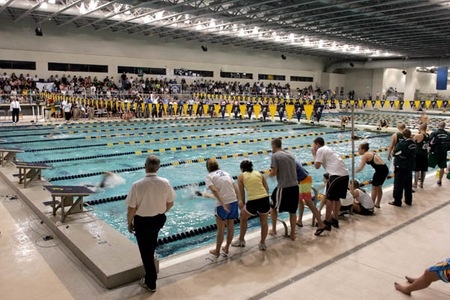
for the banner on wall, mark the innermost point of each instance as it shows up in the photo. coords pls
(441, 79)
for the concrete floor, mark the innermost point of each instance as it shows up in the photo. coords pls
(361, 260)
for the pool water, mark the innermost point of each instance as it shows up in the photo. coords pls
(82, 161)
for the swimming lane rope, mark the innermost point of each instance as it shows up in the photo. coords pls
(131, 134)
(179, 148)
(157, 140)
(191, 161)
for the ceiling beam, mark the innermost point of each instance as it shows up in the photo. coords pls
(65, 8)
(34, 7)
(4, 6)
(88, 12)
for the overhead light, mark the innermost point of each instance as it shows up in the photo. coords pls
(38, 31)
(198, 27)
(255, 30)
(82, 8)
(92, 5)
(52, 1)
(404, 72)
(204, 48)
(212, 24)
(241, 32)
(159, 15)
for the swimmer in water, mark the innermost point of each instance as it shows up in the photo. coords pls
(106, 176)
(51, 134)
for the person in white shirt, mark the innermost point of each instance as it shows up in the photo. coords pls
(148, 201)
(363, 203)
(15, 110)
(337, 184)
(227, 194)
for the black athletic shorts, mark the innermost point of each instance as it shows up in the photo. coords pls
(337, 187)
(258, 206)
(285, 199)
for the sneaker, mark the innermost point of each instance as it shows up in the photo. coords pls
(143, 285)
(327, 225)
(335, 223)
(238, 243)
(262, 246)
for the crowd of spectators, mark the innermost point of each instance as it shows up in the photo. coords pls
(128, 85)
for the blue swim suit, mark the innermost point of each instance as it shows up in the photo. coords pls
(233, 214)
(442, 269)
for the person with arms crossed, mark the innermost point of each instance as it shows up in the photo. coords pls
(404, 160)
(337, 184)
(285, 195)
(148, 201)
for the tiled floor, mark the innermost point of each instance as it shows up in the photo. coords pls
(310, 268)
(361, 260)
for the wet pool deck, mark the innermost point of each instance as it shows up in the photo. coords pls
(361, 260)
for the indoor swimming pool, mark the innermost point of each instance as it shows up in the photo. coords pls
(81, 153)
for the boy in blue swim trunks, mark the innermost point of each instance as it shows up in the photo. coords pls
(440, 271)
(227, 194)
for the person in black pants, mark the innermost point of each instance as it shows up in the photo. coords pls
(15, 110)
(148, 201)
(404, 160)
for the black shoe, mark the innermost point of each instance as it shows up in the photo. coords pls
(395, 204)
(327, 225)
(334, 223)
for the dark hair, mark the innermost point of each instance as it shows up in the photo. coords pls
(246, 166)
(212, 164)
(276, 142)
(319, 140)
(364, 146)
(326, 176)
(406, 133)
(355, 184)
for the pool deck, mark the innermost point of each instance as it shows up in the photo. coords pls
(366, 255)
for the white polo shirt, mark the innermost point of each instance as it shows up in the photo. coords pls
(331, 161)
(150, 195)
(15, 104)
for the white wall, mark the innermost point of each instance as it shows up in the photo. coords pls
(336, 80)
(394, 78)
(70, 45)
(360, 81)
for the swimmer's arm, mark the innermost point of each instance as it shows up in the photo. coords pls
(362, 164)
(130, 215)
